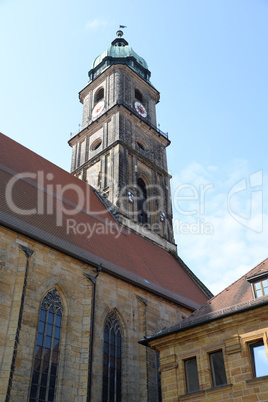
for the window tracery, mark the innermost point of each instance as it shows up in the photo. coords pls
(111, 386)
(46, 358)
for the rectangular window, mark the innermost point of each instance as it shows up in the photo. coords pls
(258, 358)
(191, 375)
(261, 288)
(217, 368)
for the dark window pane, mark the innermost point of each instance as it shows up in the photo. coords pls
(55, 357)
(43, 315)
(33, 391)
(48, 342)
(57, 333)
(38, 352)
(37, 363)
(44, 384)
(58, 320)
(111, 386)
(191, 374)
(39, 340)
(42, 394)
(49, 330)
(35, 377)
(44, 380)
(52, 381)
(218, 369)
(50, 395)
(46, 354)
(53, 369)
(41, 327)
(106, 348)
(50, 317)
(45, 367)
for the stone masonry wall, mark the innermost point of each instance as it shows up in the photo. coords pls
(231, 335)
(139, 312)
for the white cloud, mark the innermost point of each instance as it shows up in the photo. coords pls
(96, 23)
(237, 240)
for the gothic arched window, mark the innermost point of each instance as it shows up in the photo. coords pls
(111, 384)
(142, 197)
(47, 349)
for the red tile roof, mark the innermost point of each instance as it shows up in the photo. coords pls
(54, 207)
(235, 298)
(238, 294)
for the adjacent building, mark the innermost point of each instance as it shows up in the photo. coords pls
(219, 353)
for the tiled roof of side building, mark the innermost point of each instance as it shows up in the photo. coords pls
(50, 205)
(233, 299)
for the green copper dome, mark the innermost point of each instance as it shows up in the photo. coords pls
(119, 52)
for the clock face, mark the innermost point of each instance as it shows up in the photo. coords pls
(98, 109)
(140, 109)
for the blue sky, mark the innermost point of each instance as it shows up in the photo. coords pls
(209, 60)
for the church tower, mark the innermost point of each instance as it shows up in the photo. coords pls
(119, 150)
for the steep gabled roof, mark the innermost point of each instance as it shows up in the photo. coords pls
(235, 298)
(46, 203)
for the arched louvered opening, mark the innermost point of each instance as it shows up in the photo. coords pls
(142, 197)
(99, 95)
(138, 95)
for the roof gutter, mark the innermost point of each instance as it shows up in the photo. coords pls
(146, 342)
(95, 261)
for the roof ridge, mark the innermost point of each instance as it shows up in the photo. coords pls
(192, 275)
(261, 263)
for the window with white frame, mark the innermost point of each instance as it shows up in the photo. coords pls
(260, 288)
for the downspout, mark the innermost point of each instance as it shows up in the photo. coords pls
(28, 252)
(93, 279)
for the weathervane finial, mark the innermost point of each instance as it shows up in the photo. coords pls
(120, 33)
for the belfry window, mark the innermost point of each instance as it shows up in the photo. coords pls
(111, 384)
(47, 349)
(142, 197)
(99, 95)
(138, 95)
(96, 144)
(141, 145)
